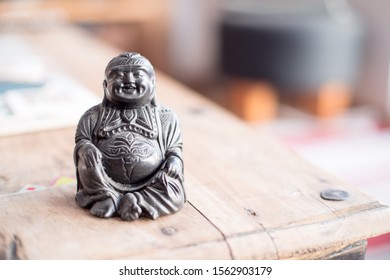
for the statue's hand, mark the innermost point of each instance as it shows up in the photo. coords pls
(173, 167)
(90, 155)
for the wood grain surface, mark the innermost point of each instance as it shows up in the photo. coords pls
(248, 197)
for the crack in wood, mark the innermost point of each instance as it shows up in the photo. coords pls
(266, 232)
(10, 248)
(218, 229)
(338, 214)
(272, 240)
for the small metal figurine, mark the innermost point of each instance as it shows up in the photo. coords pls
(128, 152)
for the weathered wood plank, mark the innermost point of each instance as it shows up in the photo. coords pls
(36, 158)
(248, 197)
(49, 225)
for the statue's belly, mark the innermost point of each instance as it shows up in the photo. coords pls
(129, 157)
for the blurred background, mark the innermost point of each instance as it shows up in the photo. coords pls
(313, 73)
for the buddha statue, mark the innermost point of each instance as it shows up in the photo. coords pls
(128, 152)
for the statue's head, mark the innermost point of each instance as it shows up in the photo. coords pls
(129, 80)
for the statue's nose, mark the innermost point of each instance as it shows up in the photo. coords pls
(130, 77)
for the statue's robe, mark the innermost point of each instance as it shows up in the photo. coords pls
(134, 144)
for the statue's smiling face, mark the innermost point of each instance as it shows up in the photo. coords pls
(130, 85)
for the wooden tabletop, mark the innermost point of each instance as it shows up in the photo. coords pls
(248, 197)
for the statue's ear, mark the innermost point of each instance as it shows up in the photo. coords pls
(154, 81)
(105, 84)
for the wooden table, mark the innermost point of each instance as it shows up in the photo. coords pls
(248, 197)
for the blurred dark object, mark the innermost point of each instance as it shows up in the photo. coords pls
(301, 48)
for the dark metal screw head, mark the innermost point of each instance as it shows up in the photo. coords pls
(334, 194)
